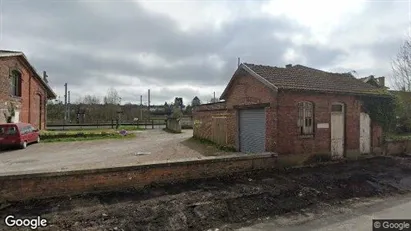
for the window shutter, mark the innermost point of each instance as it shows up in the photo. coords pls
(300, 119)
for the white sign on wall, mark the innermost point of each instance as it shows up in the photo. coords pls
(323, 125)
(16, 117)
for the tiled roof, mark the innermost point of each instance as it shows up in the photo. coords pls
(8, 53)
(4, 53)
(305, 78)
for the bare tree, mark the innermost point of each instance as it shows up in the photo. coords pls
(111, 102)
(90, 99)
(112, 97)
(401, 66)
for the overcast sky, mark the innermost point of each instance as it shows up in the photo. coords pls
(189, 48)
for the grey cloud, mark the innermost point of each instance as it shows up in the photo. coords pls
(94, 28)
(319, 56)
(386, 49)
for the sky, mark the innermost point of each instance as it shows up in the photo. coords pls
(190, 48)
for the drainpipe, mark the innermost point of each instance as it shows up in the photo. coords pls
(30, 98)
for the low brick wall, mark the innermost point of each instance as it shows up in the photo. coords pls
(392, 147)
(43, 185)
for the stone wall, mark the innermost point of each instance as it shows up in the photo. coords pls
(173, 125)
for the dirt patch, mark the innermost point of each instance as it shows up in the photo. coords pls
(205, 204)
(206, 148)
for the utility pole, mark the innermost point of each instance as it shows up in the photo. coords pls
(65, 102)
(149, 105)
(141, 107)
(214, 98)
(68, 106)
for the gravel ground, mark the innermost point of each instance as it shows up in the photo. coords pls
(221, 204)
(153, 146)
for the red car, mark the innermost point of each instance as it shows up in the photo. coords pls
(18, 134)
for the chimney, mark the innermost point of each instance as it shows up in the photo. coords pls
(288, 65)
(381, 81)
(45, 77)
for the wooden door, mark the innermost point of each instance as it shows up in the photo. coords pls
(337, 131)
(365, 133)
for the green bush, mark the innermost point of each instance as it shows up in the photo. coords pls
(65, 135)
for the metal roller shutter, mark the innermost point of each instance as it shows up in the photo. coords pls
(252, 130)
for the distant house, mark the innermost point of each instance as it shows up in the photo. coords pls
(195, 102)
(23, 92)
(291, 110)
(377, 82)
(178, 103)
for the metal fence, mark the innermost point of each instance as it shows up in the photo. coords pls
(153, 124)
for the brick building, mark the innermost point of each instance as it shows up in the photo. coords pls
(23, 92)
(291, 110)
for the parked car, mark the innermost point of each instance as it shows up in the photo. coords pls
(18, 134)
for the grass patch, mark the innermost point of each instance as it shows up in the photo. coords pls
(130, 128)
(170, 131)
(59, 136)
(220, 147)
(87, 138)
(95, 129)
(206, 147)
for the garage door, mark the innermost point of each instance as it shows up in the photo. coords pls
(252, 130)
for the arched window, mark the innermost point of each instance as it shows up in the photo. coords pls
(306, 118)
(15, 83)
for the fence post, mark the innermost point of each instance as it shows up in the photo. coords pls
(112, 124)
(152, 124)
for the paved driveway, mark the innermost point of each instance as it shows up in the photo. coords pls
(156, 145)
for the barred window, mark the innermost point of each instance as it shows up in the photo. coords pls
(305, 118)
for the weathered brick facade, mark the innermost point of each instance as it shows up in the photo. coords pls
(282, 134)
(32, 103)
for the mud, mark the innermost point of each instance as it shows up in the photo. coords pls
(220, 203)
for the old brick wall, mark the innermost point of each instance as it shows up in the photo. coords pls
(204, 120)
(376, 138)
(289, 141)
(282, 135)
(33, 93)
(42, 185)
(245, 91)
